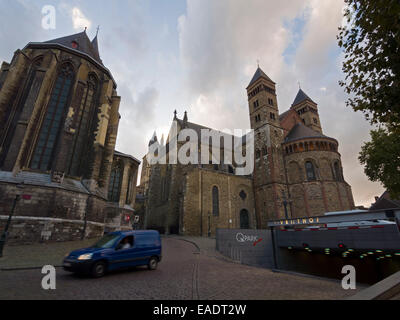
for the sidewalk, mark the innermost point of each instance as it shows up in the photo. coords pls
(39, 255)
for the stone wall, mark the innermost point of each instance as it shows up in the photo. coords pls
(235, 195)
(51, 214)
(26, 230)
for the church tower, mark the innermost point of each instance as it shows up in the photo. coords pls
(307, 109)
(269, 178)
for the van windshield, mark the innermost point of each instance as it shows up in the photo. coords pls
(107, 241)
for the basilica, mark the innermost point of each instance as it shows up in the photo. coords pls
(297, 173)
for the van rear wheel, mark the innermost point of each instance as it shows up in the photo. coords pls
(153, 263)
(99, 269)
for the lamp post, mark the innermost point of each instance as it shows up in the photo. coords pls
(4, 235)
(285, 202)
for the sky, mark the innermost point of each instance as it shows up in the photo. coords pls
(199, 56)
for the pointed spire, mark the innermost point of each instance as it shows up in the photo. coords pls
(259, 74)
(162, 140)
(175, 115)
(153, 139)
(185, 118)
(300, 97)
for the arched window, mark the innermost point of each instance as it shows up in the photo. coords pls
(215, 201)
(310, 171)
(52, 122)
(338, 172)
(114, 186)
(80, 147)
(244, 219)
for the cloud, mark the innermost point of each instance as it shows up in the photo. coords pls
(220, 42)
(137, 118)
(79, 20)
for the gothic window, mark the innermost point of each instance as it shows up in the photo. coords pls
(272, 116)
(52, 123)
(129, 190)
(310, 171)
(24, 107)
(85, 115)
(215, 201)
(115, 184)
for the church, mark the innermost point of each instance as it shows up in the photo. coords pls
(59, 117)
(297, 173)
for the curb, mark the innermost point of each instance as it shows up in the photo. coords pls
(189, 241)
(383, 290)
(25, 268)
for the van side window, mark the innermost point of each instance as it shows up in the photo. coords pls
(126, 243)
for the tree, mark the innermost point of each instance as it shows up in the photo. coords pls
(370, 40)
(381, 158)
(371, 43)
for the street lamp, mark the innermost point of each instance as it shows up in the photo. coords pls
(285, 202)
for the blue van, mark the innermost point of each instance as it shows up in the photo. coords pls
(116, 250)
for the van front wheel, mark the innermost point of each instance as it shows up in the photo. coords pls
(153, 263)
(99, 269)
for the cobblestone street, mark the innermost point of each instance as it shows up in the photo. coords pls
(184, 274)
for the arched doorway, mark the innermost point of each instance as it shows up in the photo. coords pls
(244, 219)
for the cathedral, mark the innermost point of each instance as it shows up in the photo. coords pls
(297, 173)
(59, 116)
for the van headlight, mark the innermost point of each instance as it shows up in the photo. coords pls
(87, 256)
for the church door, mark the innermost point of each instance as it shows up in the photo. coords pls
(244, 219)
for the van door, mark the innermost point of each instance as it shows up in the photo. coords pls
(123, 256)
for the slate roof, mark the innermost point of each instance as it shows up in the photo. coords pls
(385, 201)
(197, 127)
(301, 96)
(41, 179)
(300, 131)
(259, 74)
(124, 155)
(91, 48)
(283, 115)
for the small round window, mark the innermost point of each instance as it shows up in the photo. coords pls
(74, 45)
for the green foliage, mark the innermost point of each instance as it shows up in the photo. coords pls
(371, 43)
(381, 157)
(370, 40)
